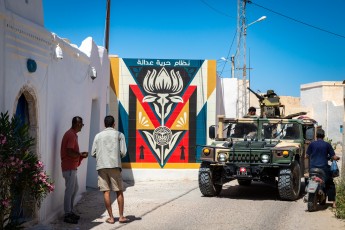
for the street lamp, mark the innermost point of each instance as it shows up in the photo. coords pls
(244, 96)
(232, 61)
(259, 20)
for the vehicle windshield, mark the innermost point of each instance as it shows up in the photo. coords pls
(269, 130)
(242, 130)
(288, 131)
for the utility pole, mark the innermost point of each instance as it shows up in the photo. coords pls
(232, 66)
(343, 144)
(107, 26)
(240, 58)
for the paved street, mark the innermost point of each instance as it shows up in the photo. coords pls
(180, 205)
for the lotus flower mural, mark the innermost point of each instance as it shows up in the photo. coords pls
(162, 89)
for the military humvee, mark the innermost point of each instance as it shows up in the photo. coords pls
(269, 148)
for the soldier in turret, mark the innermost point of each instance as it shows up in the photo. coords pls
(251, 111)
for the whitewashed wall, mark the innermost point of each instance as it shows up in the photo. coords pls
(62, 88)
(227, 96)
(325, 102)
(32, 10)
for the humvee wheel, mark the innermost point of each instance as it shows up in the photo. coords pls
(289, 182)
(244, 182)
(206, 184)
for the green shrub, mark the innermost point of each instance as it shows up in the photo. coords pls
(340, 198)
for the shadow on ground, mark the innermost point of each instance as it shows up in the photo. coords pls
(255, 191)
(93, 212)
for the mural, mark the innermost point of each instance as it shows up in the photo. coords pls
(159, 115)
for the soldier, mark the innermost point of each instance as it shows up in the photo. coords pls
(251, 111)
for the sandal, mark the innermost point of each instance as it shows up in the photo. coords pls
(124, 221)
(109, 221)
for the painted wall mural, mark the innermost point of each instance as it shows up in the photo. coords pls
(165, 107)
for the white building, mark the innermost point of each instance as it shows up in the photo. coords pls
(325, 101)
(55, 85)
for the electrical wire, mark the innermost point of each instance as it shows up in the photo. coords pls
(218, 11)
(275, 12)
(295, 20)
(227, 57)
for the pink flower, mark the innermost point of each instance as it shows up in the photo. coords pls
(5, 203)
(2, 139)
(51, 188)
(39, 164)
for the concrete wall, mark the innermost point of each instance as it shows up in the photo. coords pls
(325, 102)
(227, 96)
(292, 104)
(59, 89)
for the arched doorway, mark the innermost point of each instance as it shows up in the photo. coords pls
(26, 110)
(22, 110)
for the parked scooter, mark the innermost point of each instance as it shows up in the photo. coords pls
(316, 189)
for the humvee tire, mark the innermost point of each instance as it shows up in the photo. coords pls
(289, 182)
(206, 185)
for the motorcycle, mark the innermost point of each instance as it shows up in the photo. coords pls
(315, 189)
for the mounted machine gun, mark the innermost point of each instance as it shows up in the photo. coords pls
(270, 105)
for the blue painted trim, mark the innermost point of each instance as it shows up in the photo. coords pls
(201, 131)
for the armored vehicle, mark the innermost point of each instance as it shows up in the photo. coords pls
(269, 148)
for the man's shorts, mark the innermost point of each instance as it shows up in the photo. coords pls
(110, 179)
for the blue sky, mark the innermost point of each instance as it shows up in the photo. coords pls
(283, 53)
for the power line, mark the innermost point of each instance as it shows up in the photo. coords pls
(227, 57)
(293, 19)
(222, 13)
(218, 11)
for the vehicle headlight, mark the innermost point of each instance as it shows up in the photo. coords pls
(222, 157)
(265, 158)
